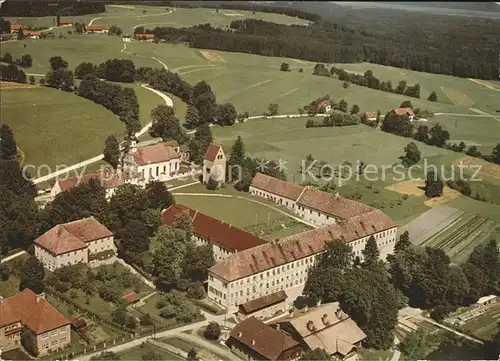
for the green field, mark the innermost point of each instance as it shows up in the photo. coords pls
(153, 16)
(484, 326)
(459, 238)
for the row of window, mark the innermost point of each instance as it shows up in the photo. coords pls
(164, 170)
(54, 333)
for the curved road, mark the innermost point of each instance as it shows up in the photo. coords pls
(130, 16)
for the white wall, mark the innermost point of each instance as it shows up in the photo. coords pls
(220, 252)
(101, 245)
(159, 171)
(52, 262)
(285, 202)
(315, 217)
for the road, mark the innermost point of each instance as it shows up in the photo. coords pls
(451, 329)
(250, 200)
(12, 256)
(131, 16)
(219, 350)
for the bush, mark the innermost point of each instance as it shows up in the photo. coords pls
(4, 272)
(161, 303)
(196, 291)
(182, 284)
(146, 320)
(212, 332)
(212, 184)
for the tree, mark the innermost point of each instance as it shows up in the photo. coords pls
(115, 30)
(315, 354)
(192, 355)
(57, 62)
(42, 81)
(79, 28)
(8, 145)
(29, 342)
(20, 34)
(196, 291)
(26, 61)
(433, 185)
(345, 85)
(273, 109)
(204, 100)
(438, 136)
(158, 196)
(213, 331)
(355, 109)
(398, 124)
(495, 155)
(83, 69)
(403, 244)
(60, 79)
(416, 345)
(32, 275)
(422, 134)
(166, 125)
(473, 152)
(112, 151)
(200, 142)
(301, 70)
(212, 184)
(342, 105)
(433, 97)
(226, 114)
(371, 252)
(7, 58)
(193, 118)
(32, 80)
(285, 67)
(412, 155)
(236, 158)
(197, 260)
(4, 272)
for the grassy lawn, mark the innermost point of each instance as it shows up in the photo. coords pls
(56, 128)
(137, 352)
(485, 326)
(375, 355)
(10, 287)
(150, 307)
(483, 209)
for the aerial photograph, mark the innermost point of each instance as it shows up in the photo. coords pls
(249, 180)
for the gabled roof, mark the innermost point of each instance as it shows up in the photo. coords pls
(298, 246)
(96, 27)
(213, 230)
(331, 204)
(403, 111)
(144, 36)
(324, 104)
(31, 33)
(329, 328)
(212, 151)
(263, 339)
(156, 153)
(130, 297)
(277, 186)
(65, 21)
(263, 302)
(107, 181)
(72, 236)
(17, 26)
(371, 114)
(33, 312)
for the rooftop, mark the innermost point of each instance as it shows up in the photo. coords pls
(298, 246)
(263, 302)
(212, 151)
(72, 236)
(32, 311)
(277, 186)
(262, 338)
(213, 229)
(156, 153)
(403, 111)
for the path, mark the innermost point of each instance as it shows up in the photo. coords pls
(250, 200)
(169, 348)
(484, 83)
(12, 256)
(219, 350)
(134, 272)
(450, 329)
(124, 50)
(99, 157)
(130, 16)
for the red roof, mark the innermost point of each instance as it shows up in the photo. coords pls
(324, 104)
(130, 297)
(107, 181)
(277, 186)
(371, 114)
(31, 33)
(39, 316)
(212, 229)
(263, 339)
(17, 26)
(144, 36)
(403, 111)
(72, 236)
(212, 151)
(96, 27)
(156, 153)
(65, 21)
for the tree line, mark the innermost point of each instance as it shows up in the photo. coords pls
(117, 70)
(41, 8)
(327, 42)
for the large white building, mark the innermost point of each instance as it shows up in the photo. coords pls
(283, 265)
(82, 241)
(223, 237)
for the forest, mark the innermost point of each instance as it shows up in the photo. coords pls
(434, 44)
(46, 8)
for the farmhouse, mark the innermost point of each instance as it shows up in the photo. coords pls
(109, 181)
(315, 206)
(160, 161)
(82, 241)
(371, 116)
(404, 111)
(147, 37)
(26, 309)
(96, 29)
(65, 22)
(258, 341)
(282, 265)
(14, 28)
(224, 238)
(214, 164)
(126, 38)
(326, 327)
(325, 106)
(32, 34)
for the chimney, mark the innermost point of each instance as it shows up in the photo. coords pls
(306, 308)
(239, 334)
(253, 342)
(337, 195)
(1, 300)
(278, 326)
(324, 319)
(39, 297)
(310, 326)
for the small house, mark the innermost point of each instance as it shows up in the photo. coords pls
(96, 29)
(126, 38)
(130, 298)
(325, 106)
(14, 28)
(144, 37)
(32, 34)
(404, 111)
(78, 324)
(486, 300)
(371, 116)
(65, 22)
